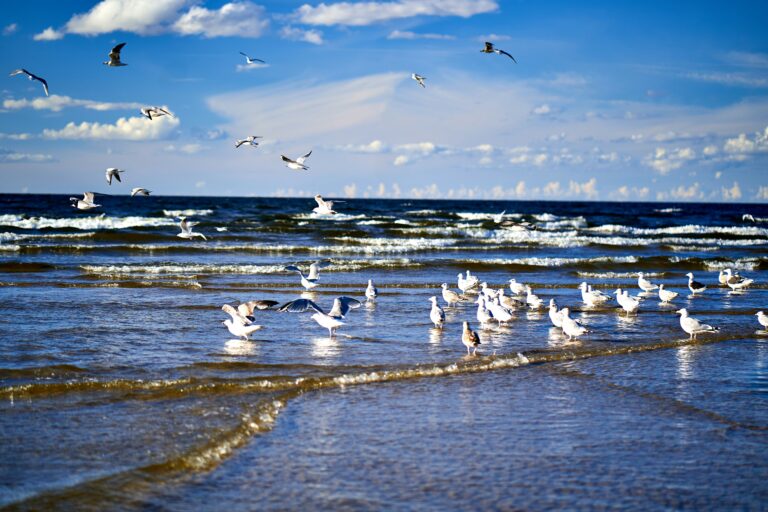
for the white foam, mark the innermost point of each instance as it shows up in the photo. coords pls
(668, 210)
(739, 264)
(83, 223)
(553, 262)
(187, 213)
(692, 229)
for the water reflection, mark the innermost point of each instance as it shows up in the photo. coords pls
(240, 347)
(435, 336)
(325, 347)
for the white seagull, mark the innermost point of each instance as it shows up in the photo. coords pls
(31, 77)
(483, 315)
(323, 207)
(516, 288)
(555, 315)
(186, 229)
(736, 282)
(762, 319)
(298, 164)
(138, 191)
(310, 280)
(666, 295)
(467, 283)
(436, 314)
(331, 320)
(489, 48)
(114, 57)
(240, 330)
(627, 303)
(500, 217)
(247, 308)
(250, 140)
(571, 327)
(645, 284)
(419, 79)
(86, 203)
(251, 60)
(499, 312)
(592, 297)
(152, 112)
(113, 172)
(693, 326)
(469, 338)
(237, 316)
(371, 292)
(694, 286)
(450, 296)
(531, 299)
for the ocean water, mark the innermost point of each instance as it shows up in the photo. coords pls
(120, 387)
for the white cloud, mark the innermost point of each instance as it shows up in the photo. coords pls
(542, 110)
(401, 160)
(16, 136)
(681, 193)
(734, 79)
(350, 191)
(250, 67)
(587, 189)
(56, 103)
(762, 193)
(132, 128)
(493, 37)
(626, 192)
(49, 34)
(242, 19)
(748, 59)
(296, 34)
(710, 150)
(746, 145)
(375, 146)
(733, 193)
(200, 184)
(664, 161)
(405, 34)
(8, 156)
(138, 16)
(189, 149)
(367, 13)
(10, 29)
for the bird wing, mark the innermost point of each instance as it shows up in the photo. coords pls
(117, 176)
(301, 159)
(342, 305)
(184, 225)
(42, 81)
(239, 143)
(115, 53)
(88, 197)
(292, 268)
(18, 72)
(162, 111)
(262, 304)
(300, 306)
(246, 55)
(502, 52)
(320, 202)
(488, 47)
(237, 317)
(287, 160)
(109, 176)
(315, 267)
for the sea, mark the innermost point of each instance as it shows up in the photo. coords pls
(120, 389)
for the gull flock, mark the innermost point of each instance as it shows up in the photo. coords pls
(492, 305)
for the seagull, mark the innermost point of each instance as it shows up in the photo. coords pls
(488, 292)
(499, 312)
(467, 283)
(516, 288)
(745, 217)
(762, 319)
(693, 326)
(251, 60)
(113, 172)
(298, 164)
(138, 191)
(469, 338)
(86, 203)
(323, 207)
(555, 315)
(666, 295)
(736, 282)
(237, 316)
(240, 330)
(436, 314)
(571, 327)
(508, 302)
(250, 140)
(114, 57)
(247, 308)
(419, 79)
(331, 320)
(309, 281)
(483, 315)
(694, 286)
(722, 277)
(627, 303)
(371, 292)
(645, 284)
(148, 112)
(490, 49)
(500, 217)
(450, 296)
(186, 229)
(592, 297)
(31, 77)
(531, 299)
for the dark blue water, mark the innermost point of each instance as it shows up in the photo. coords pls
(120, 387)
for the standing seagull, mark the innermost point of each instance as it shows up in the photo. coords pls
(86, 203)
(450, 296)
(420, 79)
(114, 57)
(571, 327)
(138, 191)
(31, 77)
(251, 60)
(186, 229)
(645, 284)
(371, 292)
(148, 112)
(469, 338)
(437, 315)
(323, 207)
(666, 295)
(736, 282)
(251, 140)
(694, 286)
(762, 319)
(113, 172)
(298, 164)
(490, 49)
(693, 326)
(331, 320)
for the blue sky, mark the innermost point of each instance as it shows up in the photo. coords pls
(608, 100)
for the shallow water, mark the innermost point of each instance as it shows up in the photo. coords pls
(120, 386)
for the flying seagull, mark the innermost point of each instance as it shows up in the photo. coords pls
(86, 203)
(250, 140)
(31, 77)
(149, 112)
(420, 79)
(331, 320)
(297, 164)
(113, 172)
(323, 207)
(138, 191)
(309, 281)
(114, 57)
(490, 49)
(251, 60)
(186, 229)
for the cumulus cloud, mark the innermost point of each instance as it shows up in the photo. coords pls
(243, 19)
(57, 103)
(49, 34)
(744, 145)
(375, 146)
(588, 189)
(664, 161)
(710, 150)
(733, 193)
(10, 29)
(296, 34)
(626, 192)
(367, 13)
(682, 193)
(132, 128)
(542, 110)
(8, 156)
(762, 193)
(405, 34)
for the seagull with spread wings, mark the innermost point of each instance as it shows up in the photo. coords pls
(186, 229)
(113, 172)
(419, 79)
(489, 48)
(138, 191)
(31, 76)
(86, 203)
(298, 164)
(250, 140)
(323, 207)
(251, 60)
(310, 280)
(331, 320)
(151, 112)
(114, 57)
